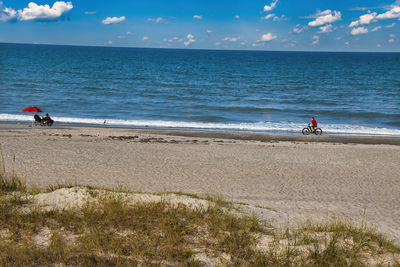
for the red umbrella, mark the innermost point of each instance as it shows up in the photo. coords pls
(32, 109)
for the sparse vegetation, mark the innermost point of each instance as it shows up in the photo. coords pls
(9, 182)
(113, 230)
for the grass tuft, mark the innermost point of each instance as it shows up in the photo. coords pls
(9, 182)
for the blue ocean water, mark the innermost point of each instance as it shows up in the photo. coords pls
(348, 93)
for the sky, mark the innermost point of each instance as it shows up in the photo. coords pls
(288, 25)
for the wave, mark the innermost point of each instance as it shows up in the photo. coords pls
(288, 127)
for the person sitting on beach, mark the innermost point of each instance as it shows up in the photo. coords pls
(38, 119)
(313, 123)
(47, 120)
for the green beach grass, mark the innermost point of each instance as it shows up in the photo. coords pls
(109, 229)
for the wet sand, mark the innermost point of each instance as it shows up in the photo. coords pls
(296, 177)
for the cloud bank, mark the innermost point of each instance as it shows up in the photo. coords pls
(366, 19)
(36, 12)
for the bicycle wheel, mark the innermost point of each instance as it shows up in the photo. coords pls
(318, 131)
(306, 131)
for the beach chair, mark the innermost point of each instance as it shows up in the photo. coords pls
(38, 120)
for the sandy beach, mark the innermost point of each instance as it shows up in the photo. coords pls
(295, 177)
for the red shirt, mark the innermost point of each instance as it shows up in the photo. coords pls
(314, 122)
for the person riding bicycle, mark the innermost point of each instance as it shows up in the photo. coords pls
(313, 124)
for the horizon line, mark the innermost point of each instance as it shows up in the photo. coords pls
(204, 49)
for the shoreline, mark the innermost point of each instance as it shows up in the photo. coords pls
(233, 135)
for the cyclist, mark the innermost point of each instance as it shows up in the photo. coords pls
(313, 124)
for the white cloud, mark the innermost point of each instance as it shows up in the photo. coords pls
(298, 29)
(391, 25)
(158, 20)
(347, 44)
(268, 37)
(237, 17)
(110, 42)
(268, 16)
(113, 20)
(173, 39)
(376, 28)
(392, 35)
(391, 41)
(364, 20)
(391, 14)
(121, 36)
(325, 17)
(90, 12)
(36, 12)
(378, 45)
(231, 39)
(270, 7)
(282, 17)
(209, 31)
(7, 14)
(198, 17)
(145, 38)
(326, 29)
(129, 33)
(217, 43)
(44, 12)
(358, 31)
(316, 40)
(190, 39)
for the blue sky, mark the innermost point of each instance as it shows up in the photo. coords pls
(204, 24)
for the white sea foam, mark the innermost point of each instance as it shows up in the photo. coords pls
(289, 127)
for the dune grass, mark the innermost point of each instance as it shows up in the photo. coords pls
(113, 231)
(9, 182)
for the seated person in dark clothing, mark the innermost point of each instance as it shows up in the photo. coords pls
(47, 120)
(38, 119)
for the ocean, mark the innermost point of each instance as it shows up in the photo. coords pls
(257, 91)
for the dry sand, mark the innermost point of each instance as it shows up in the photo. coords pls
(285, 179)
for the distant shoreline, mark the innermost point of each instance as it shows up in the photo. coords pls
(234, 135)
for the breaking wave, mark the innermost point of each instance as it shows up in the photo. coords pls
(273, 127)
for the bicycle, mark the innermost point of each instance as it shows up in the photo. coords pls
(308, 130)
